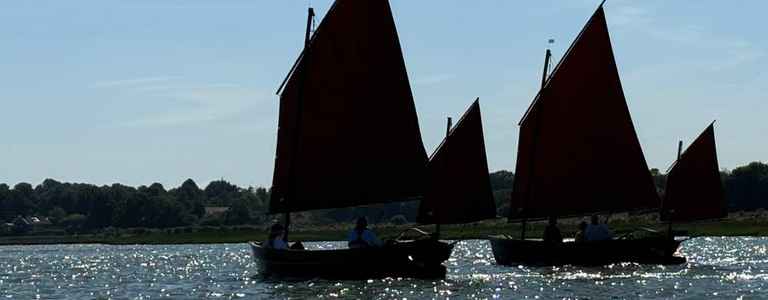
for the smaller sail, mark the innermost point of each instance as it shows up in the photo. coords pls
(459, 186)
(694, 190)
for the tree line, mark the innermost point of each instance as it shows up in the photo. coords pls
(84, 207)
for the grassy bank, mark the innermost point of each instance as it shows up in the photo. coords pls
(241, 234)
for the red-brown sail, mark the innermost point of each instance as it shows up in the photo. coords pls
(348, 132)
(694, 190)
(459, 187)
(578, 152)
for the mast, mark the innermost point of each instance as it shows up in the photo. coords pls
(670, 212)
(299, 109)
(546, 67)
(447, 132)
(547, 57)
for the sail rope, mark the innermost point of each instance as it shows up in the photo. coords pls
(551, 66)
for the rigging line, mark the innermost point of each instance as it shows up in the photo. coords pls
(551, 66)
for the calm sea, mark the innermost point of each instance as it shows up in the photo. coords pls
(717, 268)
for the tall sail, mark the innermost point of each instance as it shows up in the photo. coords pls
(348, 132)
(459, 188)
(694, 190)
(578, 152)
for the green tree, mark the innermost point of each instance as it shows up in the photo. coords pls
(57, 214)
(74, 222)
(102, 211)
(22, 199)
(221, 192)
(47, 194)
(747, 187)
(502, 180)
(5, 198)
(192, 199)
(239, 213)
(501, 185)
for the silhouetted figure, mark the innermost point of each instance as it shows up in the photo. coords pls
(275, 238)
(552, 233)
(598, 232)
(361, 236)
(581, 235)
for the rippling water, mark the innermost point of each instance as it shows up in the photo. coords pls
(717, 268)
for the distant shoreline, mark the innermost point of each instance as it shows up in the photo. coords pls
(241, 234)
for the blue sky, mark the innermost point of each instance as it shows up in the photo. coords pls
(144, 91)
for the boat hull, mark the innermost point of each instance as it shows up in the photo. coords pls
(417, 259)
(655, 250)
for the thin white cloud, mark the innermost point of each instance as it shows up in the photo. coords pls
(710, 52)
(131, 81)
(205, 103)
(177, 87)
(194, 103)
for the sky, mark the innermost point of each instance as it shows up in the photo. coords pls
(143, 91)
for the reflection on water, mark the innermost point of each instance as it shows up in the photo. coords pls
(717, 268)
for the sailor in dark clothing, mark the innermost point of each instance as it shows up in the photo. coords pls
(581, 235)
(552, 233)
(362, 237)
(597, 231)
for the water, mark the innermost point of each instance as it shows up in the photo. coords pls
(717, 268)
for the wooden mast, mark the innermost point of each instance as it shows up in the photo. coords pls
(547, 57)
(447, 132)
(299, 108)
(670, 212)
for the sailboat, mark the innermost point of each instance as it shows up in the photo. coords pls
(349, 136)
(694, 189)
(578, 154)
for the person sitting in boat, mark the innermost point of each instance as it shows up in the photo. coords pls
(598, 232)
(362, 237)
(275, 239)
(581, 235)
(552, 233)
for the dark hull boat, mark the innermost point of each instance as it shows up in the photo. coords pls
(415, 259)
(577, 129)
(656, 250)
